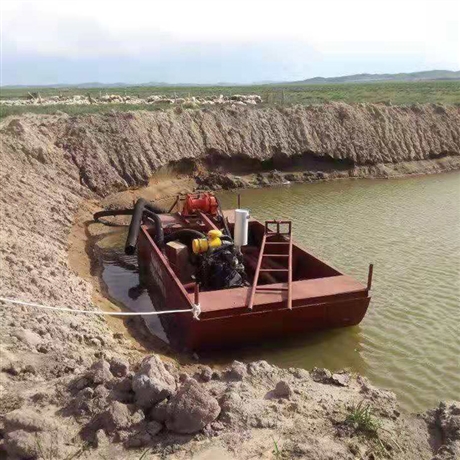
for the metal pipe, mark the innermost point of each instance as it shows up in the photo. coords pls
(174, 205)
(197, 294)
(224, 221)
(369, 276)
(189, 286)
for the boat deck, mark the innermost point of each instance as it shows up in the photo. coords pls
(304, 293)
(322, 297)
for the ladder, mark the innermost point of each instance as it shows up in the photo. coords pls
(283, 240)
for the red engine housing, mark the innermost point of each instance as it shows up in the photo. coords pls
(204, 202)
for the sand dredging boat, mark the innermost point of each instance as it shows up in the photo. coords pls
(237, 279)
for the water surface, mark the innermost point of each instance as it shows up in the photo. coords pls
(409, 340)
(409, 228)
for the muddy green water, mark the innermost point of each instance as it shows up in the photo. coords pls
(409, 341)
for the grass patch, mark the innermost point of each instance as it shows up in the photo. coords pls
(276, 450)
(364, 423)
(397, 93)
(76, 110)
(445, 92)
(361, 418)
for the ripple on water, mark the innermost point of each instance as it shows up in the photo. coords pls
(410, 229)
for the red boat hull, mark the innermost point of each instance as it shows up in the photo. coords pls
(328, 299)
(254, 327)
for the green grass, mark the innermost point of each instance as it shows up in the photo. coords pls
(78, 109)
(276, 450)
(400, 93)
(361, 418)
(363, 421)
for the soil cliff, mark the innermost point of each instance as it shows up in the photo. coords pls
(119, 150)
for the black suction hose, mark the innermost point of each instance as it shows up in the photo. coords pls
(124, 212)
(155, 208)
(114, 212)
(133, 233)
(134, 227)
(159, 233)
(184, 234)
(142, 208)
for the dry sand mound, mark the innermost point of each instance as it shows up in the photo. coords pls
(51, 164)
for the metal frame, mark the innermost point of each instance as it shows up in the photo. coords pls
(267, 234)
(176, 290)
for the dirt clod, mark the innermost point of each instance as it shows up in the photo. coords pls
(191, 409)
(237, 371)
(282, 389)
(321, 375)
(119, 417)
(152, 382)
(119, 367)
(100, 372)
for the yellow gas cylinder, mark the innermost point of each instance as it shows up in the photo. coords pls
(213, 240)
(199, 245)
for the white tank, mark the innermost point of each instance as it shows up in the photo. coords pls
(241, 227)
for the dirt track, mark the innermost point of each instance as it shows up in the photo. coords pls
(50, 165)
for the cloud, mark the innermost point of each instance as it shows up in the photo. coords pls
(201, 40)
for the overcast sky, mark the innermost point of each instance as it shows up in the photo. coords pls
(209, 41)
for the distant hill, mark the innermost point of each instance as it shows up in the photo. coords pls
(429, 75)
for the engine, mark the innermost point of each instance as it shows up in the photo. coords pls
(220, 268)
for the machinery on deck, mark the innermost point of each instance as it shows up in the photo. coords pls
(250, 280)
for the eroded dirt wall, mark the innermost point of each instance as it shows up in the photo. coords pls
(112, 151)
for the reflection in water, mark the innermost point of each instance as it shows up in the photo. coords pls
(121, 277)
(409, 229)
(307, 351)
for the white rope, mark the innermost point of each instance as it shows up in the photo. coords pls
(195, 310)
